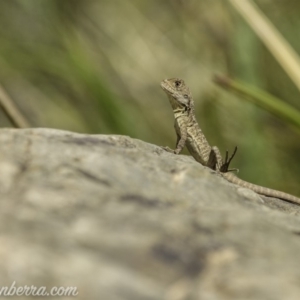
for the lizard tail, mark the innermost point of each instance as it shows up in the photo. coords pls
(261, 190)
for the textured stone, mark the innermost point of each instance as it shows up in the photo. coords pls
(122, 219)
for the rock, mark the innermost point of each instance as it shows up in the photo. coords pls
(122, 219)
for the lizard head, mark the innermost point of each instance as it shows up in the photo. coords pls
(178, 93)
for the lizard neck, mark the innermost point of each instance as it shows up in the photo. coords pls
(180, 112)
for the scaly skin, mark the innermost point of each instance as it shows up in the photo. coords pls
(189, 134)
(186, 126)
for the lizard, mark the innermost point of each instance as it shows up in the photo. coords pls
(189, 134)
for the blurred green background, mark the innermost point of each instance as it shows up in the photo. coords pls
(95, 67)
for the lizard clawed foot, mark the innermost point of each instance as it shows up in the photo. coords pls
(169, 150)
(232, 170)
(225, 166)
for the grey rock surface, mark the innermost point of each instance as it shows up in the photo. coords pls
(122, 219)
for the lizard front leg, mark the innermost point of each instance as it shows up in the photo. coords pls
(181, 140)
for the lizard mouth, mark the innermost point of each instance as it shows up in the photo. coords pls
(166, 86)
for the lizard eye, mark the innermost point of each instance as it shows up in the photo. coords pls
(177, 83)
(185, 96)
